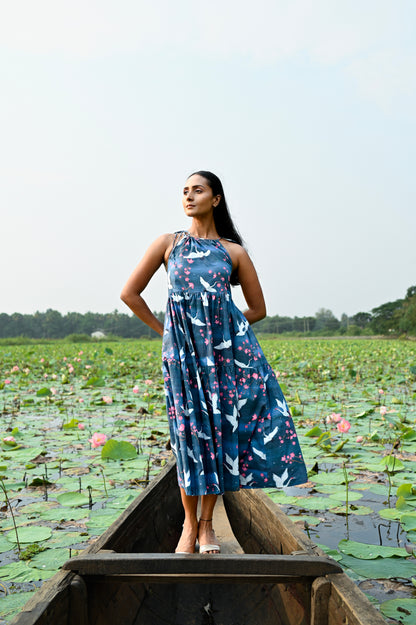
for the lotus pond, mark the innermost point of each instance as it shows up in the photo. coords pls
(83, 429)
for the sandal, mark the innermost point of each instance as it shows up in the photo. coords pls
(210, 546)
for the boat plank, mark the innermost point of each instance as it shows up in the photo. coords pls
(320, 593)
(199, 564)
(347, 604)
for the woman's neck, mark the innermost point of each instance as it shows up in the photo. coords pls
(203, 229)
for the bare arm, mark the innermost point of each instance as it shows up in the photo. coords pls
(155, 255)
(250, 284)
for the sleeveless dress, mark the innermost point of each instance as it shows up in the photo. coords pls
(229, 423)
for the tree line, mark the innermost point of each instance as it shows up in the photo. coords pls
(391, 318)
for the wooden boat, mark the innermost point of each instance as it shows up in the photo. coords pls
(268, 572)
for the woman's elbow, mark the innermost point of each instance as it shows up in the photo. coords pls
(126, 296)
(261, 314)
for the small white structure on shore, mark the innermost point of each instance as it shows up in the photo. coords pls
(98, 334)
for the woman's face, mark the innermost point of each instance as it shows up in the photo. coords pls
(198, 199)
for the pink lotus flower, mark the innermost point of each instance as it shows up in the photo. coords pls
(42, 360)
(359, 439)
(136, 389)
(9, 440)
(148, 382)
(343, 425)
(53, 390)
(334, 417)
(80, 353)
(81, 426)
(380, 390)
(97, 439)
(383, 410)
(14, 369)
(80, 400)
(7, 381)
(107, 399)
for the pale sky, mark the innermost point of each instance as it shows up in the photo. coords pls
(305, 109)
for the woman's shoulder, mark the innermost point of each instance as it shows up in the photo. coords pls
(235, 250)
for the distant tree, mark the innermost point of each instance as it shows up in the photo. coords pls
(411, 291)
(407, 322)
(386, 317)
(361, 319)
(326, 320)
(345, 320)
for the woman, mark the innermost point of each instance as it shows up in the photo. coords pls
(229, 423)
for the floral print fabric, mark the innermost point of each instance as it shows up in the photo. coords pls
(229, 423)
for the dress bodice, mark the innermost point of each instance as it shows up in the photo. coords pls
(198, 265)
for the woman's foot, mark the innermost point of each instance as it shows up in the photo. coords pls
(208, 542)
(188, 537)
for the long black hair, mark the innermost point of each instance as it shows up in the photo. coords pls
(224, 225)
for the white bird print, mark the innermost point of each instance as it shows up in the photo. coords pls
(231, 465)
(210, 363)
(198, 254)
(241, 364)
(187, 478)
(214, 401)
(258, 452)
(223, 345)
(244, 481)
(271, 435)
(242, 328)
(202, 434)
(195, 320)
(181, 353)
(169, 282)
(266, 377)
(281, 481)
(227, 297)
(191, 454)
(283, 408)
(241, 403)
(186, 411)
(207, 286)
(233, 418)
(173, 447)
(176, 297)
(204, 298)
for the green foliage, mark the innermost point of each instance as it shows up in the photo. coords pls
(118, 450)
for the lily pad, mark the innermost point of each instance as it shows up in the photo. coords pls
(403, 610)
(50, 559)
(20, 572)
(408, 521)
(118, 450)
(390, 514)
(30, 534)
(380, 568)
(12, 604)
(334, 477)
(72, 499)
(370, 552)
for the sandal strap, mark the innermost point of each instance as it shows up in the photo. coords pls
(206, 520)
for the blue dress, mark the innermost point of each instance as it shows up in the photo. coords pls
(229, 423)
